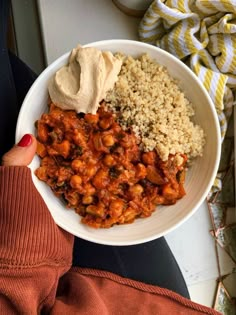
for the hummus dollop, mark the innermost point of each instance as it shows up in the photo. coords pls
(82, 84)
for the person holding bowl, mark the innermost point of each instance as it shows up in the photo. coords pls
(46, 270)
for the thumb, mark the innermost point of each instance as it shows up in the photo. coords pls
(22, 153)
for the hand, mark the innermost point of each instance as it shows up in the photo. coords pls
(22, 153)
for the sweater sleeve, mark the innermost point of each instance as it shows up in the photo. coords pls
(35, 256)
(34, 251)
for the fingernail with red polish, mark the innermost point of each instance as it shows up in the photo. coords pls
(25, 141)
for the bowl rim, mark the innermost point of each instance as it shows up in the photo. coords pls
(210, 103)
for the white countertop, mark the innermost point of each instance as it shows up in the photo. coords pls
(65, 24)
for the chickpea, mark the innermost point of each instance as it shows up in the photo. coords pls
(77, 165)
(48, 161)
(127, 141)
(109, 160)
(101, 179)
(159, 200)
(105, 123)
(52, 171)
(91, 119)
(73, 198)
(75, 181)
(136, 190)
(87, 200)
(63, 174)
(89, 189)
(92, 161)
(97, 211)
(90, 171)
(129, 215)
(116, 207)
(92, 210)
(108, 140)
(41, 173)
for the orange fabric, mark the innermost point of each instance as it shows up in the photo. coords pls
(35, 265)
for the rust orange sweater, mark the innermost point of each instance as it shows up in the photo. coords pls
(35, 265)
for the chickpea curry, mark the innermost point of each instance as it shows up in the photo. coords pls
(99, 170)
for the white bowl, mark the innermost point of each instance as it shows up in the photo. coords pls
(200, 176)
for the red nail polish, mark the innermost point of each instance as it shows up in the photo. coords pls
(25, 141)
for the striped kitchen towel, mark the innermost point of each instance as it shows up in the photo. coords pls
(202, 33)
